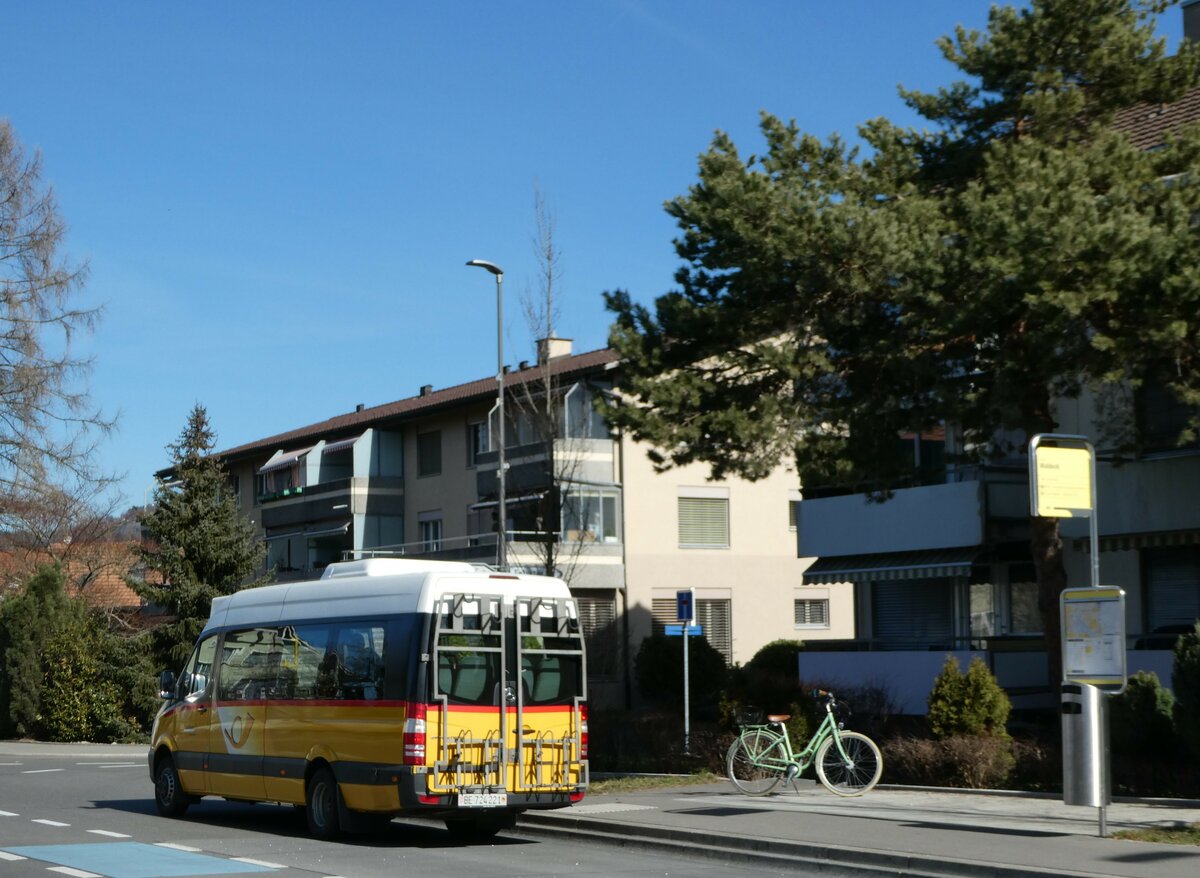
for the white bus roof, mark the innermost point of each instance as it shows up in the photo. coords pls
(375, 587)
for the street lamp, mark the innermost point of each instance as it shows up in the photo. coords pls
(501, 508)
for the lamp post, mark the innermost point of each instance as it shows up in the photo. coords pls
(501, 509)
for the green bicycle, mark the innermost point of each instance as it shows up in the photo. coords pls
(848, 763)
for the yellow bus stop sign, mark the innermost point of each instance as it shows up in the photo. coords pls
(1062, 481)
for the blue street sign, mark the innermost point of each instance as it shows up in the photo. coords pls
(677, 630)
(685, 605)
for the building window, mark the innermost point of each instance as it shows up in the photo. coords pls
(811, 613)
(1171, 577)
(598, 623)
(429, 453)
(704, 520)
(1024, 617)
(591, 515)
(712, 615)
(430, 525)
(478, 441)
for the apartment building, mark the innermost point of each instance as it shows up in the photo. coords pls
(417, 478)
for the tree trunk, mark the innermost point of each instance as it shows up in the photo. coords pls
(1046, 545)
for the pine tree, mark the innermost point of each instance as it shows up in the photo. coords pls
(197, 543)
(1017, 251)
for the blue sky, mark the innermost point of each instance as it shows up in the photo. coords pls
(277, 199)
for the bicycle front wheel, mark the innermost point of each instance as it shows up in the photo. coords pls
(756, 762)
(854, 774)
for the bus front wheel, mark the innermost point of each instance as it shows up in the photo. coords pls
(322, 805)
(169, 797)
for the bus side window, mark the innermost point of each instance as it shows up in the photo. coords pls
(303, 651)
(249, 665)
(360, 661)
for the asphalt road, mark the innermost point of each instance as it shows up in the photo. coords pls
(87, 810)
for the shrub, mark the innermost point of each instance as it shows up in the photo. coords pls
(969, 761)
(1140, 719)
(79, 701)
(770, 681)
(659, 670)
(1185, 681)
(969, 704)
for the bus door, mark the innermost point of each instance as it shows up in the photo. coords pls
(547, 734)
(473, 685)
(194, 717)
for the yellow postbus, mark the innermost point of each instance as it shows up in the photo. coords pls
(386, 687)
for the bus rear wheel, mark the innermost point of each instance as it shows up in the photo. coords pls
(322, 805)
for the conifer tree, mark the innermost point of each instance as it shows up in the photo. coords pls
(1016, 251)
(197, 544)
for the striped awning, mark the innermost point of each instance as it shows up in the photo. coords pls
(340, 445)
(285, 459)
(1130, 542)
(925, 564)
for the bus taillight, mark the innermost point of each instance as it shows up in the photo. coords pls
(583, 731)
(414, 734)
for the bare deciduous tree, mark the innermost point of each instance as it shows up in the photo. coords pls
(48, 426)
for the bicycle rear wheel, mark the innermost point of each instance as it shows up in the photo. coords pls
(756, 762)
(855, 774)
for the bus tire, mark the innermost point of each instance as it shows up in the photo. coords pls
(169, 798)
(321, 809)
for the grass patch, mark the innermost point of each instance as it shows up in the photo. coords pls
(1163, 834)
(644, 782)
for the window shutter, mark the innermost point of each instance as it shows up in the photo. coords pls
(704, 522)
(811, 612)
(598, 623)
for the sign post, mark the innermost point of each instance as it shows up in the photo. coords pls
(685, 612)
(1062, 484)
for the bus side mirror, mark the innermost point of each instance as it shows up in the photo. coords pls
(166, 684)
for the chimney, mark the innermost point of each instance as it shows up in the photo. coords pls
(523, 365)
(426, 389)
(552, 348)
(1191, 19)
(359, 407)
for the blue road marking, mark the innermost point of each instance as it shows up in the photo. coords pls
(129, 859)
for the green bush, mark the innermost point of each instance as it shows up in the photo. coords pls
(659, 670)
(1185, 681)
(967, 704)
(79, 701)
(63, 674)
(1140, 719)
(770, 681)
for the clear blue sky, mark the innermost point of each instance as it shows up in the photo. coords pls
(277, 199)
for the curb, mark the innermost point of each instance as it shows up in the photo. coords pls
(778, 853)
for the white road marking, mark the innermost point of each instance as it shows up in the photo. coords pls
(75, 873)
(266, 863)
(9, 814)
(5, 855)
(42, 770)
(109, 833)
(45, 822)
(112, 764)
(176, 847)
(12, 763)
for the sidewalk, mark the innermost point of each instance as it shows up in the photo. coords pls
(893, 830)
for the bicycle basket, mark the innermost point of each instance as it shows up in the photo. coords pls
(749, 716)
